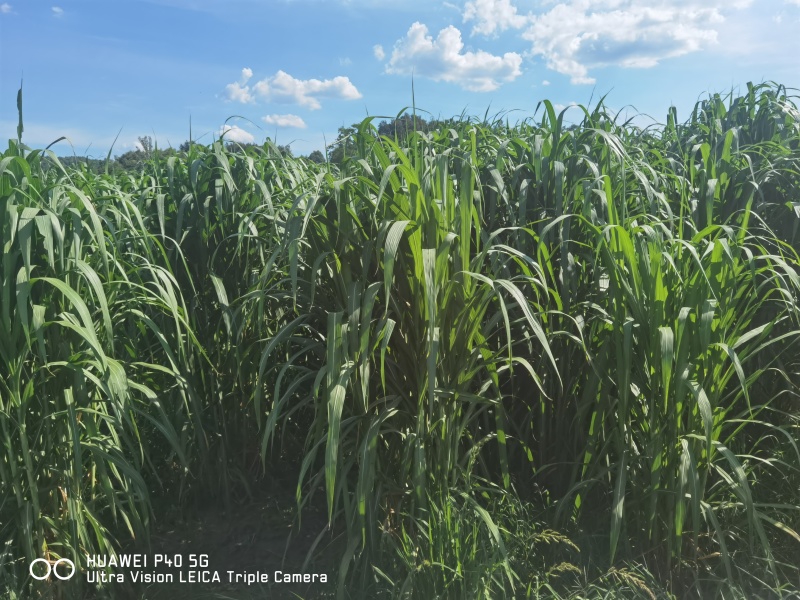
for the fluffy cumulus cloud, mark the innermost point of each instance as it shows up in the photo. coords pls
(5, 8)
(576, 36)
(377, 50)
(285, 121)
(444, 59)
(58, 12)
(493, 16)
(284, 88)
(232, 133)
(239, 91)
(560, 107)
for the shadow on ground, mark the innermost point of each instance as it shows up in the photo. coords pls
(259, 537)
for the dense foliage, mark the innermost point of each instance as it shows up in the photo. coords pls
(522, 361)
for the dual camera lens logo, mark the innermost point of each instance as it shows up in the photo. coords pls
(53, 569)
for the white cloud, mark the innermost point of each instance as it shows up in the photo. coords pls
(5, 8)
(560, 107)
(377, 50)
(239, 91)
(234, 133)
(345, 62)
(578, 35)
(493, 16)
(58, 12)
(545, 82)
(443, 59)
(285, 121)
(286, 89)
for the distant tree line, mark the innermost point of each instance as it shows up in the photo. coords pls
(336, 152)
(134, 160)
(397, 129)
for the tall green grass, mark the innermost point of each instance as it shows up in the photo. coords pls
(517, 361)
(95, 346)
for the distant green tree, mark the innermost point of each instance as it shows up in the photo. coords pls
(131, 160)
(344, 145)
(146, 142)
(402, 126)
(317, 157)
(236, 146)
(399, 129)
(93, 165)
(134, 160)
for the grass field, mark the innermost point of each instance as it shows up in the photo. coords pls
(487, 361)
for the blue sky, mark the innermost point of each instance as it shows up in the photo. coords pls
(296, 70)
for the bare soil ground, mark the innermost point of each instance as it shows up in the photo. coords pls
(260, 534)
